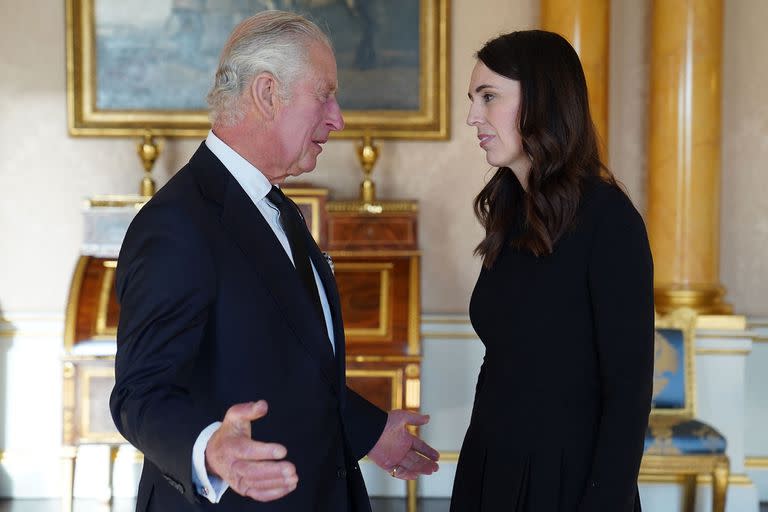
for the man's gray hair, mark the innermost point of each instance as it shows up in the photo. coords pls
(274, 42)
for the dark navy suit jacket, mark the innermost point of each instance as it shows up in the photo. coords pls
(213, 314)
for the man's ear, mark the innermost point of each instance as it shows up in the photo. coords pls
(264, 94)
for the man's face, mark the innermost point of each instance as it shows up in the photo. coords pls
(306, 119)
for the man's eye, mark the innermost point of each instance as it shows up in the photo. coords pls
(487, 97)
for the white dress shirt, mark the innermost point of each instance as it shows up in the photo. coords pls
(257, 186)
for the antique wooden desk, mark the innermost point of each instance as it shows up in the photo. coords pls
(376, 261)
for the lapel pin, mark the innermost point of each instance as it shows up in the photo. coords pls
(329, 260)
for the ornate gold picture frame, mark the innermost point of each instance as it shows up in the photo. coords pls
(393, 61)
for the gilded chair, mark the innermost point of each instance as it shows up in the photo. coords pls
(676, 443)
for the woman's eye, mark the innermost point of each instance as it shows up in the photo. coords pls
(487, 97)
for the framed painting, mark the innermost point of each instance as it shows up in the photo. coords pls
(149, 66)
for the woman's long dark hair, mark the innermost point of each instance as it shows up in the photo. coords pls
(557, 134)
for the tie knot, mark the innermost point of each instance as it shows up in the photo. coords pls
(276, 196)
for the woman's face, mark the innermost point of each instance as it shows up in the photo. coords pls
(494, 112)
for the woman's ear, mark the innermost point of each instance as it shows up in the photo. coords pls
(264, 95)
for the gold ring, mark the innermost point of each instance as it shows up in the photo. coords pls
(394, 471)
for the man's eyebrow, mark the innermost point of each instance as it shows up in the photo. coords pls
(479, 88)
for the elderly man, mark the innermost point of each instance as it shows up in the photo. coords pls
(228, 305)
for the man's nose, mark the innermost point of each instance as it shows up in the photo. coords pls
(334, 119)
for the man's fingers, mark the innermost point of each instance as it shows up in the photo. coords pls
(424, 449)
(264, 481)
(413, 465)
(255, 450)
(404, 474)
(414, 418)
(262, 475)
(264, 495)
(417, 463)
(246, 412)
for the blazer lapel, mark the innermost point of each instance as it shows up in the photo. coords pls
(253, 235)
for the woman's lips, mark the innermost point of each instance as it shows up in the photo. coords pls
(485, 139)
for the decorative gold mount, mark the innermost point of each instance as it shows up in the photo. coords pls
(148, 151)
(358, 206)
(705, 300)
(368, 154)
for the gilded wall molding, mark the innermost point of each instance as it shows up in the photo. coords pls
(759, 326)
(737, 480)
(756, 462)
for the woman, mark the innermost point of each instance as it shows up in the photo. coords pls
(564, 301)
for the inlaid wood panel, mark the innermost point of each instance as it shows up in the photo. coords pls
(371, 232)
(311, 201)
(376, 300)
(381, 386)
(93, 310)
(366, 290)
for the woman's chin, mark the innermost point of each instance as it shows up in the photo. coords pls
(495, 162)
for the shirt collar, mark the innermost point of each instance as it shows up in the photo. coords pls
(255, 184)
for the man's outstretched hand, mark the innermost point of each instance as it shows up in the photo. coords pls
(251, 468)
(399, 452)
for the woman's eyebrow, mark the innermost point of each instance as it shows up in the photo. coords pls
(479, 88)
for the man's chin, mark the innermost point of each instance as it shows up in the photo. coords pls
(305, 168)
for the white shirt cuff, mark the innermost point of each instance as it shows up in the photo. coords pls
(209, 486)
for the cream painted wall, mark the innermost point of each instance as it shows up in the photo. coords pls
(628, 91)
(744, 217)
(44, 173)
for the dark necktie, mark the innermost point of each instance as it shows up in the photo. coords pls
(296, 230)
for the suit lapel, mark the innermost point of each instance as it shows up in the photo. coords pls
(332, 293)
(245, 224)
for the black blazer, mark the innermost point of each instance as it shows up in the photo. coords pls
(213, 314)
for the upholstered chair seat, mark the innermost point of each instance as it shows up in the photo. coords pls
(678, 436)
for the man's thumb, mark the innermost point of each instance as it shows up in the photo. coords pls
(414, 418)
(241, 415)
